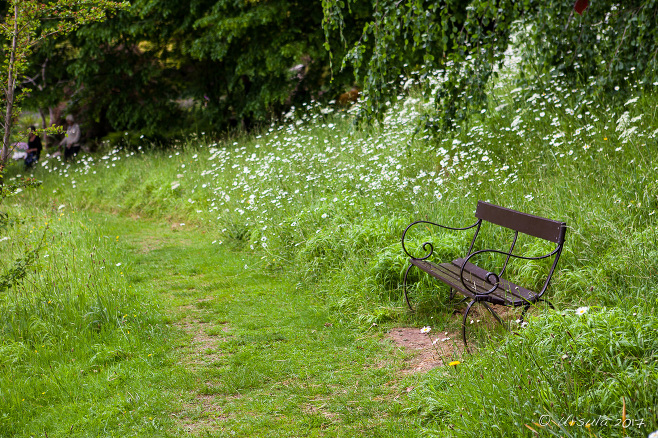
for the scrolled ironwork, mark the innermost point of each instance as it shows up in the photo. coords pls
(496, 277)
(556, 252)
(464, 319)
(427, 247)
(404, 287)
(474, 291)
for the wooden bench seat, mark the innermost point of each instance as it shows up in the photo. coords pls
(480, 285)
(505, 294)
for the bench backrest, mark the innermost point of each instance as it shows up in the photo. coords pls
(547, 229)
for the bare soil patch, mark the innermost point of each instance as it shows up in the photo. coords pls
(203, 347)
(439, 348)
(204, 415)
(430, 350)
(202, 412)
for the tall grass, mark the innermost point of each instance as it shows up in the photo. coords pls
(70, 325)
(329, 200)
(567, 375)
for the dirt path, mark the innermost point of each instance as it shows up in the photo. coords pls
(257, 357)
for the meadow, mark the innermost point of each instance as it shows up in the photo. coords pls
(321, 202)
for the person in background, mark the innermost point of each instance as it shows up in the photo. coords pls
(71, 142)
(33, 148)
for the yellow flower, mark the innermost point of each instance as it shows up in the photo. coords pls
(454, 363)
(571, 423)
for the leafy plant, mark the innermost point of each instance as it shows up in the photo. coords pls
(19, 270)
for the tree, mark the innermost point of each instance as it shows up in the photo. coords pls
(47, 81)
(266, 56)
(612, 44)
(26, 24)
(167, 67)
(465, 40)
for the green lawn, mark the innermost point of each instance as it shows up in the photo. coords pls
(237, 350)
(258, 355)
(129, 321)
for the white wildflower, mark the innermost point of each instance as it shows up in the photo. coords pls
(581, 310)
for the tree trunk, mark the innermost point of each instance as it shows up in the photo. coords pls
(44, 125)
(11, 82)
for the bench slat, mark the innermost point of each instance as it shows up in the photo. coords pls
(517, 292)
(547, 229)
(449, 273)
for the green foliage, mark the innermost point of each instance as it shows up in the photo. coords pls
(464, 40)
(611, 45)
(19, 270)
(163, 68)
(10, 189)
(457, 47)
(25, 25)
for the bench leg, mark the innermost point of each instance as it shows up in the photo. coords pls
(494, 313)
(404, 287)
(525, 309)
(468, 309)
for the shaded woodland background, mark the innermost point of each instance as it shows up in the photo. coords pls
(163, 69)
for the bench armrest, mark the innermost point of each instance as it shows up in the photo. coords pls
(427, 246)
(494, 278)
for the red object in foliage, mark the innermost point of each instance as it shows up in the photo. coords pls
(581, 5)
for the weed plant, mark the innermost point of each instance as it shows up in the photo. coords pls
(329, 201)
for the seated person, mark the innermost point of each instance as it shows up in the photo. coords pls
(71, 142)
(33, 148)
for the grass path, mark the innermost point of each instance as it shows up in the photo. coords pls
(254, 355)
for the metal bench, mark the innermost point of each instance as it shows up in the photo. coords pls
(480, 285)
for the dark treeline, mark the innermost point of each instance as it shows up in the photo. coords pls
(164, 68)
